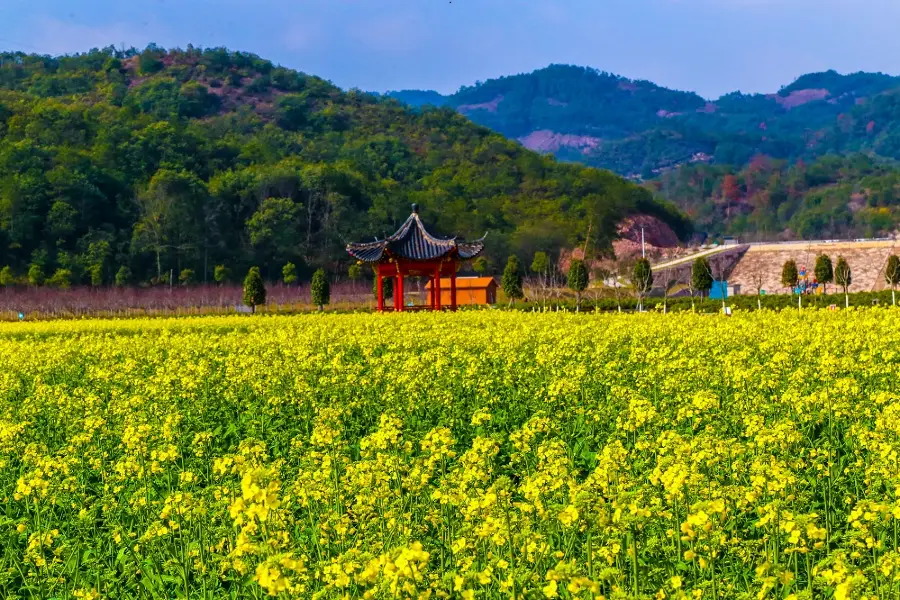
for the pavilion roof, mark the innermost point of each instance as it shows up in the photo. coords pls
(413, 242)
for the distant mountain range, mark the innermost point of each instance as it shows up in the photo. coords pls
(639, 129)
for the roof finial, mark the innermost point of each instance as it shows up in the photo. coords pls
(415, 208)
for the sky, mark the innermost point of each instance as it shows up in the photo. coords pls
(711, 47)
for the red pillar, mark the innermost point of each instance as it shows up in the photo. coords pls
(437, 289)
(380, 290)
(398, 292)
(453, 288)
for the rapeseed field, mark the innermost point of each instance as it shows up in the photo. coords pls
(474, 455)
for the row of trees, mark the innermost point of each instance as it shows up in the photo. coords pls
(255, 289)
(840, 273)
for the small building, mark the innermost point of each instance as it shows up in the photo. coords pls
(469, 290)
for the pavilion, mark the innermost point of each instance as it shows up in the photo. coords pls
(413, 252)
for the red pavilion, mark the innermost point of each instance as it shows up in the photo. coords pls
(413, 252)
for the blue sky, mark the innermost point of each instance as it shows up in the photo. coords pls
(708, 46)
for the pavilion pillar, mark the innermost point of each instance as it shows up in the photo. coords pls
(453, 288)
(398, 292)
(380, 292)
(437, 289)
(431, 292)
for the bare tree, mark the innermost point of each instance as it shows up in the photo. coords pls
(667, 278)
(758, 278)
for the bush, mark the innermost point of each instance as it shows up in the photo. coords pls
(186, 277)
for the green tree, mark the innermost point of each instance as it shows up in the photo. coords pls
(186, 277)
(844, 278)
(354, 272)
(221, 274)
(273, 228)
(511, 281)
(254, 289)
(96, 272)
(480, 265)
(642, 279)
(701, 276)
(35, 274)
(61, 278)
(824, 271)
(578, 280)
(789, 275)
(892, 276)
(7, 277)
(289, 274)
(123, 276)
(540, 264)
(320, 289)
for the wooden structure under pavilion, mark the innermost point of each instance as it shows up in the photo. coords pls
(413, 252)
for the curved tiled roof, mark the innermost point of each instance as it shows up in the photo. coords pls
(413, 242)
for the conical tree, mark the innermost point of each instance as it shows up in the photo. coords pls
(824, 271)
(892, 276)
(254, 289)
(320, 289)
(512, 280)
(701, 276)
(289, 274)
(844, 278)
(789, 275)
(578, 280)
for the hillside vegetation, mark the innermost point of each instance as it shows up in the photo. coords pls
(138, 164)
(831, 197)
(637, 128)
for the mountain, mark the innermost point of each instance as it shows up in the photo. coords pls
(141, 163)
(639, 129)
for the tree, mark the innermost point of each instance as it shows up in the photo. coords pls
(668, 279)
(892, 276)
(96, 271)
(7, 278)
(273, 228)
(480, 265)
(578, 280)
(186, 277)
(289, 274)
(844, 278)
(320, 289)
(171, 214)
(540, 266)
(35, 274)
(701, 276)
(221, 274)
(123, 276)
(354, 272)
(254, 289)
(642, 278)
(511, 282)
(62, 279)
(387, 286)
(824, 271)
(789, 275)
(757, 278)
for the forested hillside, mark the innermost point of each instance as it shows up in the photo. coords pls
(831, 197)
(141, 163)
(637, 128)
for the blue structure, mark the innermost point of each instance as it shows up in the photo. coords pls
(719, 290)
